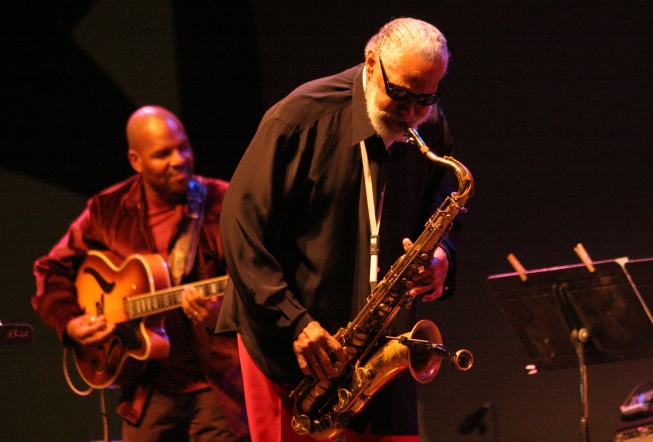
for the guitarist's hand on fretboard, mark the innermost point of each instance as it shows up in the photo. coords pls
(199, 309)
(88, 330)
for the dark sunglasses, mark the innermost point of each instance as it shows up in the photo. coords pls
(400, 94)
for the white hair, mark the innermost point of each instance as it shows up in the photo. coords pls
(410, 35)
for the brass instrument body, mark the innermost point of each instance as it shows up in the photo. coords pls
(323, 409)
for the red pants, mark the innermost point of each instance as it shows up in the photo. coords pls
(269, 410)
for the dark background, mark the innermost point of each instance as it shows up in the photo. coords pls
(549, 103)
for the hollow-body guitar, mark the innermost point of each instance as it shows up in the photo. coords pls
(133, 294)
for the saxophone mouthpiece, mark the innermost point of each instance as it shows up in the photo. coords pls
(414, 138)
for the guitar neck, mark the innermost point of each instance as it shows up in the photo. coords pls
(163, 300)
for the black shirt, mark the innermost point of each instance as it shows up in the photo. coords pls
(295, 227)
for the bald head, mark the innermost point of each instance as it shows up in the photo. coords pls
(149, 120)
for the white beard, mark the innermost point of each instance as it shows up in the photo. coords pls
(378, 117)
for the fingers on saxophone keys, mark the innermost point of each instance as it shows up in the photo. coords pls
(320, 366)
(330, 370)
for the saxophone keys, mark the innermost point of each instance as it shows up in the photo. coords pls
(301, 424)
(344, 397)
(320, 389)
(324, 424)
(352, 352)
(358, 340)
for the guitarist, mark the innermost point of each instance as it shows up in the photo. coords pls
(196, 392)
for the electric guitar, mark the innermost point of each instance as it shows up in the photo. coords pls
(132, 294)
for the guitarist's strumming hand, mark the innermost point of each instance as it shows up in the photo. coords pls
(198, 309)
(88, 330)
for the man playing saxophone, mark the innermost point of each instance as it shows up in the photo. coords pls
(302, 226)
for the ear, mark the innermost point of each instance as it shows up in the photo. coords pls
(134, 160)
(370, 63)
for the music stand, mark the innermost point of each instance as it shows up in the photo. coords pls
(566, 316)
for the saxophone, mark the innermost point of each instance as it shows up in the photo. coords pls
(322, 409)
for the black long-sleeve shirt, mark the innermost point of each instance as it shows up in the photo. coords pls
(295, 226)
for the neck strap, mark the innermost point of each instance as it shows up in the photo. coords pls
(182, 255)
(375, 218)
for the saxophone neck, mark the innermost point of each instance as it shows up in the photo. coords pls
(464, 176)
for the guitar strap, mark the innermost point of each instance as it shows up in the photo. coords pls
(182, 255)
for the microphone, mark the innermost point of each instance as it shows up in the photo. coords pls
(474, 421)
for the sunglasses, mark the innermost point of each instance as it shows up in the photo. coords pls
(400, 94)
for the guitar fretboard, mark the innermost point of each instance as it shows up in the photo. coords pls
(162, 300)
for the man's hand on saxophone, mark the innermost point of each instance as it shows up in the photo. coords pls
(315, 348)
(429, 281)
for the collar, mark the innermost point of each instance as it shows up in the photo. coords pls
(361, 126)
(134, 197)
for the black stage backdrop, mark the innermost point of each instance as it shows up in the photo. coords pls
(549, 103)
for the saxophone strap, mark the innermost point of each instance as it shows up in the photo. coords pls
(182, 255)
(375, 217)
